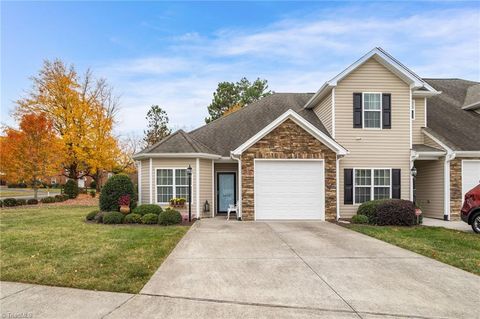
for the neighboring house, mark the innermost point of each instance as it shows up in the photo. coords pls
(319, 156)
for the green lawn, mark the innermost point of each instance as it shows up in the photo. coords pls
(449, 246)
(54, 246)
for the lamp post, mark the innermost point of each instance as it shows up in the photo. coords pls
(413, 171)
(189, 173)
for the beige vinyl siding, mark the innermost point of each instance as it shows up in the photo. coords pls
(206, 186)
(144, 188)
(224, 167)
(419, 122)
(166, 163)
(429, 142)
(324, 112)
(373, 148)
(430, 187)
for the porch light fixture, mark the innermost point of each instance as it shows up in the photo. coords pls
(189, 173)
(413, 171)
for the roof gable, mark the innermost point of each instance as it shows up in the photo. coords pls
(179, 143)
(300, 121)
(383, 58)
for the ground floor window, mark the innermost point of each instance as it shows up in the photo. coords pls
(171, 183)
(371, 184)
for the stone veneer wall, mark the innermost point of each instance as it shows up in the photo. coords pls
(456, 198)
(288, 141)
(455, 188)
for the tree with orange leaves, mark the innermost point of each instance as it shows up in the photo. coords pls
(32, 153)
(82, 110)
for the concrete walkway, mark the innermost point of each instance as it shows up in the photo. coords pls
(271, 269)
(453, 224)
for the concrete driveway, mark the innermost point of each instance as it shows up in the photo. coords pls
(302, 269)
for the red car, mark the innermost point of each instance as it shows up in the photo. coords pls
(471, 208)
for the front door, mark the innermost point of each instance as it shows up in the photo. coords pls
(226, 191)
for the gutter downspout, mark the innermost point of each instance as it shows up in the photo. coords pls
(337, 178)
(239, 207)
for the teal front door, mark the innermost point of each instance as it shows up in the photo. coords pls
(226, 191)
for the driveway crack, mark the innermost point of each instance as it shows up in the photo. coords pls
(316, 273)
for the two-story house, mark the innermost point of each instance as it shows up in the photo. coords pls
(360, 137)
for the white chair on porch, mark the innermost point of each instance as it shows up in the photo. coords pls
(232, 208)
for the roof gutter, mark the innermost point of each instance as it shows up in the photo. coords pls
(177, 155)
(326, 88)
(472, 106)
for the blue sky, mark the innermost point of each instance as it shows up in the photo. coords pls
(174, 54)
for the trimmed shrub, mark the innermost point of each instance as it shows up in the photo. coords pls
(148, 209)
(93, 184)
(91, 215)
(359, 219)
(396, 212)
(32, 201)
(71, 188)
(21, 202)
(59, 198)
(112, 218)
(133, 219)
(99, 217)
(150, 219)
(93, 193)
(370, 210)
(115, 187)
(9, 202)
(1, 203)
(169, 217)
(48, 200)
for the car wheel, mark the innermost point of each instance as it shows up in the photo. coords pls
(476, 223)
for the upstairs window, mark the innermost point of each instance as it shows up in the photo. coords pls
(372, 110)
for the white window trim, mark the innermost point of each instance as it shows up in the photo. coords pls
(174, 195)
(363, 111)
(372, 185)
(413, 110)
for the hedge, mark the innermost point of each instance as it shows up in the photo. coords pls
(397, 212)
(133, 219)
(150, 219)
(116, 186)
(169, 217)
(112, 218)
(148, 209)
(71, 188)
(9, 202)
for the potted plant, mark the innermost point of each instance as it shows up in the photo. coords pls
(124, 202)
(177, 202)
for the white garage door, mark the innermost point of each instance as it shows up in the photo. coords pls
(470, 175)
(289, 189)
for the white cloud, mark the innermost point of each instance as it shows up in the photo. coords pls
(294, 54)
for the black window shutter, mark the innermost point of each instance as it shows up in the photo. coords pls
(396, 183)
(357, 110)
(348, 186)
(387, 110)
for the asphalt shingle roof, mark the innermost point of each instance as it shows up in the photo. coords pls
(227, 133)
(425, 148)
(459, 129)
(178, 142)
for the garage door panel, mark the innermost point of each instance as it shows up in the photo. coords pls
(470, 175)
(289, 189)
